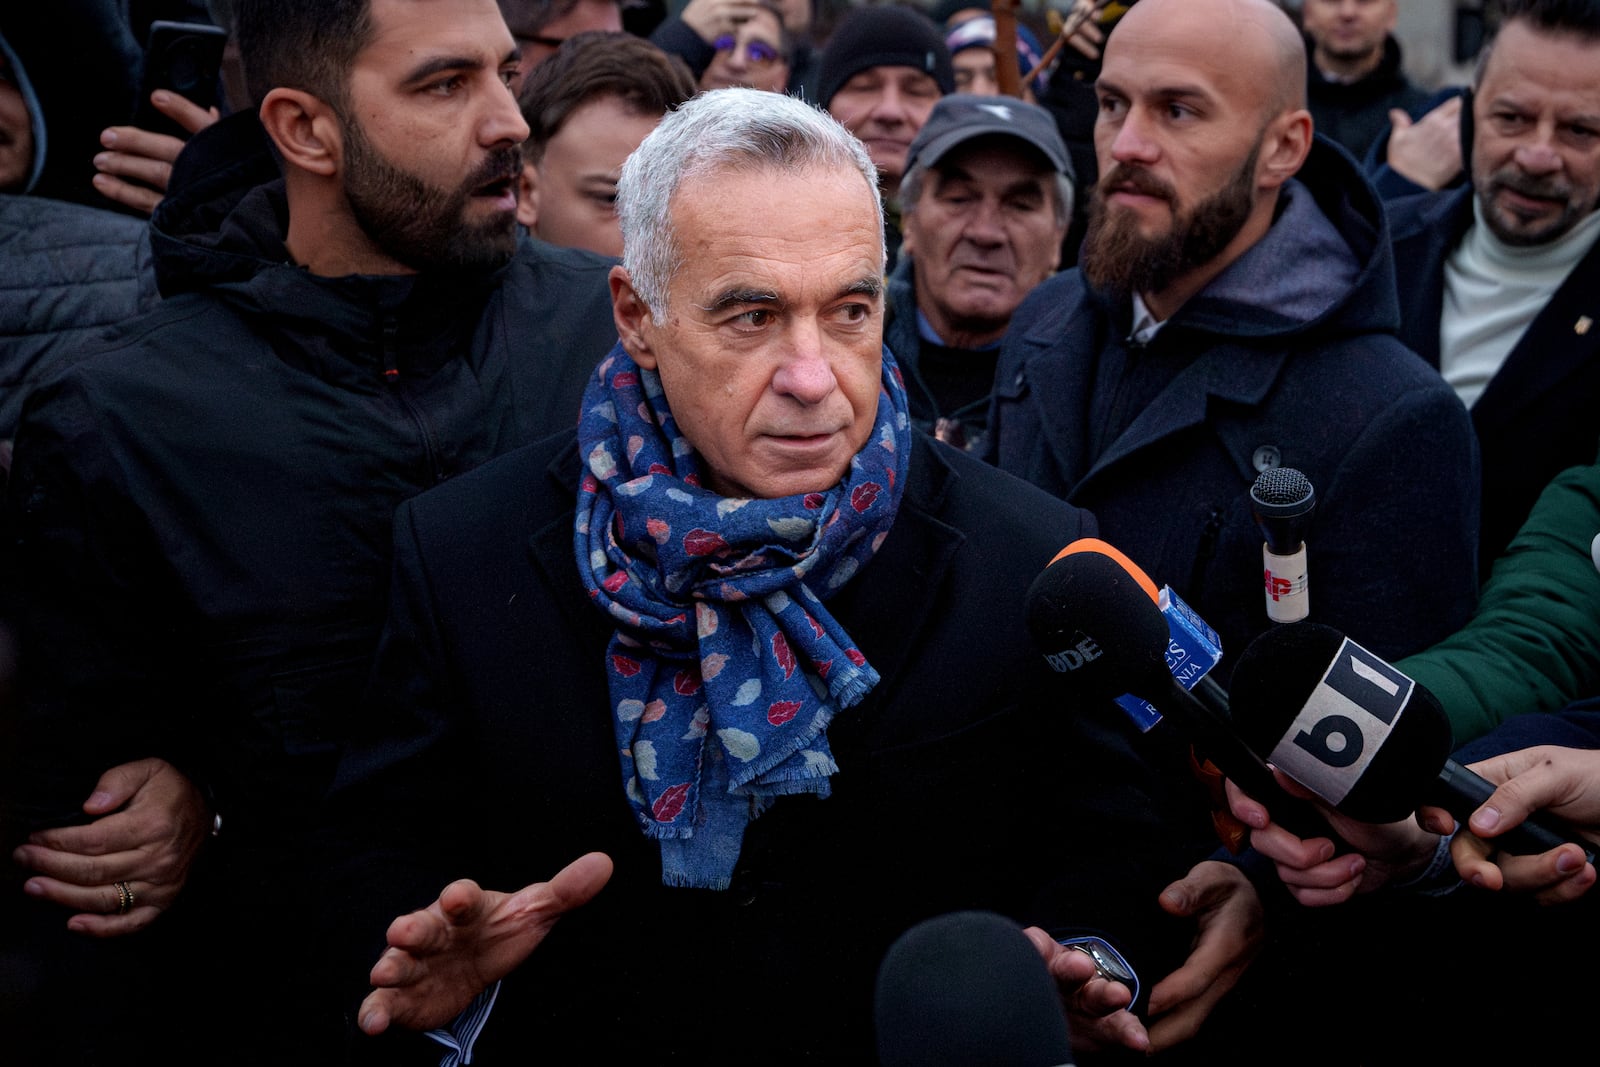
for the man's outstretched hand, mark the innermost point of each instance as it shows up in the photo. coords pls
(443, 956)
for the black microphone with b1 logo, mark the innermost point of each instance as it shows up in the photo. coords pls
(1366, 738)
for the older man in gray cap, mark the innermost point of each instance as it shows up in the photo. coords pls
(986, 200)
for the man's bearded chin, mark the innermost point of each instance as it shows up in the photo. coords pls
(421, 225)
(1118, 261)
(1551, 188)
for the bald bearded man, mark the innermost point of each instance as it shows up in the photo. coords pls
(1235, 311)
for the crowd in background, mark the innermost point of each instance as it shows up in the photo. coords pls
(244, 716)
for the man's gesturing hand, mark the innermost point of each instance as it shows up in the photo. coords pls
(443, 956)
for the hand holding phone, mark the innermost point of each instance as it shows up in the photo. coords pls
(184, 57)
(182, 63)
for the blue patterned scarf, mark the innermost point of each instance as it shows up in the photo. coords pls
(725, 668)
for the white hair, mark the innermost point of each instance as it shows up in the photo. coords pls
(724, 129)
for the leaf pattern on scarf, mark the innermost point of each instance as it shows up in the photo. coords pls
(725, 708)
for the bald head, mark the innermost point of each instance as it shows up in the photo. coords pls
(1254, 39)
(1201, 122)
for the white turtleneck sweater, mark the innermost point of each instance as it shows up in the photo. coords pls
(1492, 291)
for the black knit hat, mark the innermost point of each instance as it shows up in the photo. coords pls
(883, 36)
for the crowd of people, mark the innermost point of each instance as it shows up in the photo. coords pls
(521, 522)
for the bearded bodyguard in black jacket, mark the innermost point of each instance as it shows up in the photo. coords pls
(200, 508)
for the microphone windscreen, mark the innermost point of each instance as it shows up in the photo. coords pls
(1346, 724)
(1112, 552)
(1096, 623)
(964, 990)
(1282, 492)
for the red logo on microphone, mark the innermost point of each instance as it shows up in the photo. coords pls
(1278, 587)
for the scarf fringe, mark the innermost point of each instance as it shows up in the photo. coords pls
(851, 689)
(679, 880)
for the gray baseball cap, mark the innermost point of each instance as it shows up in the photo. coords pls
(959, 117)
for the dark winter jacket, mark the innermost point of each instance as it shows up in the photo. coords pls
(1536, 417)
(201, 505)
(1355, 113)
(1287, 358)
(67, 271)
(964, 425)
(491, 715)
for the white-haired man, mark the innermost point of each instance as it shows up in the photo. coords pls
(753, 668)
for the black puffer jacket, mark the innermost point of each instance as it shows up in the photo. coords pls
(66, 272)
(201, 506)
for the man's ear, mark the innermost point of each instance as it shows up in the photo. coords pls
(528, 196)
(1284, 148)
(305, 129)
(632, 318)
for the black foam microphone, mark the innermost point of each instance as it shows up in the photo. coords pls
(1092, 614)
(968, 989)
(1095, 620)
(1372, 742)
(1282, 501)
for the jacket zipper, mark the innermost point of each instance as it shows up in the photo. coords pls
(391, 375)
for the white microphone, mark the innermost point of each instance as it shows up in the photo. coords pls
(1282, 501)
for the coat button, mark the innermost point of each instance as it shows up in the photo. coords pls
(1266, 457)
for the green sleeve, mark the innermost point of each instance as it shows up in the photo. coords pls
(1534, 642)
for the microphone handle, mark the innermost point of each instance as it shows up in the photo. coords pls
(1284, 581)
(1460, 792)
(1211, 731)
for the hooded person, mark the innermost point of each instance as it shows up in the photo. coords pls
(77, 268)
(82, 65)
(1234, 309)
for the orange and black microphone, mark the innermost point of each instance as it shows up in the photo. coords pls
(1093, 615)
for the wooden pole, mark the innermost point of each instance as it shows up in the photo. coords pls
(1080, 14)
(1005, 47)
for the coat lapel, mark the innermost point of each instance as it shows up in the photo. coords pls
(890, 604)
(550, 551)
(1420, 249)
(1063, 385)
(1240, 376)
